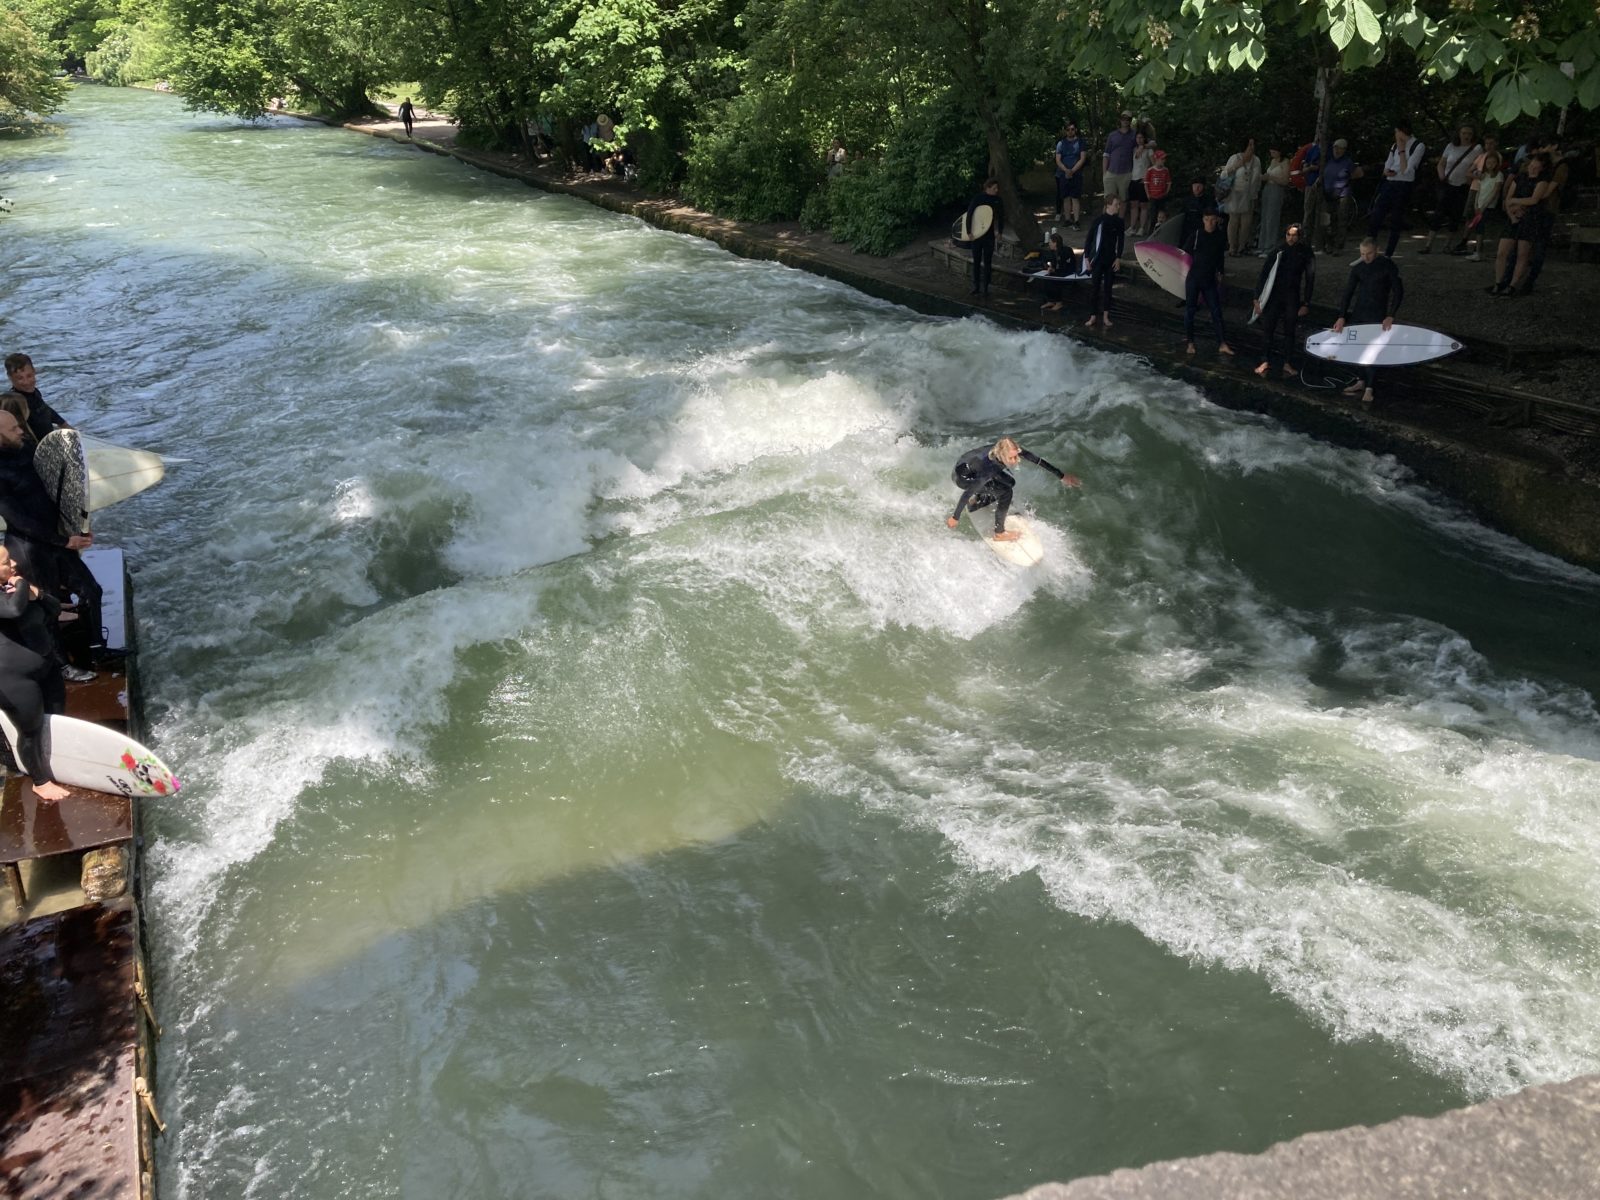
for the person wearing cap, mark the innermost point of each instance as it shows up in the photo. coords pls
(1072, 152)
(1208, 260)
(1336, 179)
(1394, 193)
(1117, 161)
(1157, 183)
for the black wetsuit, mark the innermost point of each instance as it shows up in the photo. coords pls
(1058, 262)
(1291, 291)
(42, 419)
(983, 247)
(1102, 250)
(30, 674)
(1373, 292)
(983, 482)
(1209, 255)
(36, 544)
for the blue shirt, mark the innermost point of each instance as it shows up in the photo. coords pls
(1336, 178)
(1309, 165)
(1068, 150)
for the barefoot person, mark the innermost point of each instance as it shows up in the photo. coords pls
(1373, 294)
(984, 477)
(1290, 298)
(30, 674)
(1208, 259)
(1102, 257)
(408, 114)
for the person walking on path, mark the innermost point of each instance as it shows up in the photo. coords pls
(983, 247)
(1372, 294)
(1274, 188)
(1293, 282)
(1208, 259)
(1394, 193)
(1243, 173)
(1102, 254)
(1117, 162)
(1071, 154)
(408, 114)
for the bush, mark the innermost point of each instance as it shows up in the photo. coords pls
(751, 161)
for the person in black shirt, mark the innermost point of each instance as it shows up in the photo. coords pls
(1058, 260)
(30, 676)
(1102, 254)
(1291, 296)
(35, 414)
(408, 114)
(984, 477)
(1208, 257)
(1372, 294)
(983, 247)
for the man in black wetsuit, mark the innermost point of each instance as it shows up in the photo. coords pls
(1102, 256)
(1290, 299)
(38, 416)
(43, 556)
(1208, 259)
(983, 247)
(1373, 294)
(984, 477)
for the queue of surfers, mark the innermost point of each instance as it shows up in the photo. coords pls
(49, 600)
(1372, 294)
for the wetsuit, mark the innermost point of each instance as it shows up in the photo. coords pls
(1373, 292)
(40, 418)
(1057, 262)
(30, 674)
(1102, 249)
(1291, 291)
(36, 544)
(983, 248)
(983, 482)
(1209, 254)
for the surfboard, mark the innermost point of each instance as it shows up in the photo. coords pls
(117, 472)
(1370, 346)
(1166, 265)
(91, 756)
(1026, 551)
(60, 465)
(982, 221)
(1266, 292)
(1169, 232)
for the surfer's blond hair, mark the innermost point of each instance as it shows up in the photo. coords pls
(1005, 448)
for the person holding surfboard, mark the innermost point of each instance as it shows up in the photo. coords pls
(984, 477)
(985, 220)
(1372, 294)
(1283, 295)
(30, 677)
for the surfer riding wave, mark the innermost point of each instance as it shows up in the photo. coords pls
(984, 477)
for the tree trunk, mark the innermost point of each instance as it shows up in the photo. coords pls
(1327, 80)
(1018, 214)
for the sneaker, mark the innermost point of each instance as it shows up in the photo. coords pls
(74, 674)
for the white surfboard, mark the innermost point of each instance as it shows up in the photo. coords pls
(1026, 551)
(1370, 346)
(117, 472)
(1166, 265)
(91, 756)
(982, 221)
(1266, 292)
(1169, 232)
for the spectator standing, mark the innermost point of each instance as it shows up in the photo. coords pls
(983, 247)
(836, 158)
(1072, 152)
(1491, 145)
(1337, 177)
(408, 114)
(1157, 184)
(1243, 175)
(1290, 298)
(1394, 193)
(1371, 295)
(1306, 174)
(1195, 205)
(1454, 169)
(1488, 218)
(1526, 201)
(1208, 260)
(1274, 188)
(1102, 255)
(1143, 157)
(1117, 162)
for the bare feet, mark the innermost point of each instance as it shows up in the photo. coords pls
(1189, 349)
(1262, 370)
(1052, 307)
(50, 791)
(1355, 389)
(1089, 324)
(1010, 535)
(1225, 349)
(1366, 396)
(1105, 322)
(1288, 371)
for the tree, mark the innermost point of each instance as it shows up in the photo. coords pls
(27, 83)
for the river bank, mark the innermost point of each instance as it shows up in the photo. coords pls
(1507, 429)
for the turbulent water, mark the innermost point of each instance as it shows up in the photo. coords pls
(607, 776)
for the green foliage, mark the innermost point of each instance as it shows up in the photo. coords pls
(751, 161)
(27, 85)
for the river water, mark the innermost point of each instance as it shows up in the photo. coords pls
(608, 777)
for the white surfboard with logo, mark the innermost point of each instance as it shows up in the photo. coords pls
(86, 755)
(1373, 346)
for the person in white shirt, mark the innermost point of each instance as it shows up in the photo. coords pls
(1243, 171)
(1394, 193)
(1454, 169)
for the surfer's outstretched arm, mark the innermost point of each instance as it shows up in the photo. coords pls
(1069, 480)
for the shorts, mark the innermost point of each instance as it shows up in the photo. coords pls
(1117, 185)
(1136, 193)
(1069, 186)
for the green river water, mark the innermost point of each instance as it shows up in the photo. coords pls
(608, 777)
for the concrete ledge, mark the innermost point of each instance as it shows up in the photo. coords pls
(1539, 1144)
